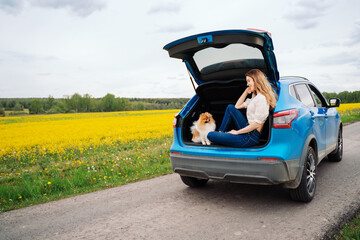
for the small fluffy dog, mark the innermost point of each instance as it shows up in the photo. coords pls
(202, 127)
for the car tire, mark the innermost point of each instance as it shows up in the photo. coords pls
(306, 190)
(194, 182)
(336, 156)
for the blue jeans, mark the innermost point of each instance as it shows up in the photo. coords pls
(242, 140)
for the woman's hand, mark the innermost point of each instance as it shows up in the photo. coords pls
(233, 132)
(248, 90)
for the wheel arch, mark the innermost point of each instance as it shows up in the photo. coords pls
(310, 142)
(313, 144)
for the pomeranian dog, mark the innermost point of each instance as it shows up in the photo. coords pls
(202, 127)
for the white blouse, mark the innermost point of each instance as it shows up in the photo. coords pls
(257, 108)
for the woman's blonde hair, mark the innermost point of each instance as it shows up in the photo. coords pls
(263, 86)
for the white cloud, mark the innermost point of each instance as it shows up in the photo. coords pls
(306, 14)
(82, 8)
(12, 6)
(355, 35)
(169, 7)
(339, 59)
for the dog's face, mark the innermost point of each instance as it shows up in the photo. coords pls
(206, 118)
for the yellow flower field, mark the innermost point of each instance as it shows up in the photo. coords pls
(54, 134)
(344, 107)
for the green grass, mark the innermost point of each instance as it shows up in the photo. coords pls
(25, 182)
(350, 231)
(350, 116)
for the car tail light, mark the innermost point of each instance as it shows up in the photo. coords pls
(175, 120)
(284, 119)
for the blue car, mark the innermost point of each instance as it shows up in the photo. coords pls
(299, 133)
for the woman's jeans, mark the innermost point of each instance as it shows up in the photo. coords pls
(242, 140)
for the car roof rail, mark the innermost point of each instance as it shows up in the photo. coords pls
(295, 77)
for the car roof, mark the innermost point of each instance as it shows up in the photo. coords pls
(293, 79)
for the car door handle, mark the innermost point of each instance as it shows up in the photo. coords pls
(312, 115)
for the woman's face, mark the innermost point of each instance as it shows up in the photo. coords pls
(250, 83)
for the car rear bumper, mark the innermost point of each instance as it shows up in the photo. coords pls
(251, 171)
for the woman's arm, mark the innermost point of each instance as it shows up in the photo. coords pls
(252, 126)
(240, 102)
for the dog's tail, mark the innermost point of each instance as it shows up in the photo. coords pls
(193, 127)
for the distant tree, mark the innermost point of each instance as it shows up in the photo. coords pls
(18, 107)
(49, 102)
(108, 103)
(122, 104)
(36, 106)
(10, 104)
(85, 103)
(2, 111)
(95, 105)
(75, 102)
(140, 106)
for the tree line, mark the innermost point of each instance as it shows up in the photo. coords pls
(85, 103)
(345, 96)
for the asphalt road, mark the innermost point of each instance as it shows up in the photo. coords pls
(164, 208)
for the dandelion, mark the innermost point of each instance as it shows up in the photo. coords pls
(49, 183)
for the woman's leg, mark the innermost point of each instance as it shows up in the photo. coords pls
(233, 115)
(228, 139)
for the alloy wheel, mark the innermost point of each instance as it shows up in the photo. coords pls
(311, 172)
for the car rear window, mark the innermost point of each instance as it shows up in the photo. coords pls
(232, 56)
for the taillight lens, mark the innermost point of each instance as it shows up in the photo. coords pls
(284, 119)
(175, 120)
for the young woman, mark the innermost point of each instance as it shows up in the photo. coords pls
(248, 130)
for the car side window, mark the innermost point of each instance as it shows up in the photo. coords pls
(304, 95)
(319, 100)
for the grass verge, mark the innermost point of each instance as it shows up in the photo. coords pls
(350, 116)
(25, 182)
(351, 230)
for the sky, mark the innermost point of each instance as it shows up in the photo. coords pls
(61, 47)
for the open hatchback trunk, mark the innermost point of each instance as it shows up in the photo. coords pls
(217, 62)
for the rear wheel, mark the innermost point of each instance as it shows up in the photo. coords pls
(306, 190)
(337, 155)
(194, 182)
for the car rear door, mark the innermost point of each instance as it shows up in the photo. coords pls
(330, 119)
(317, 114)
(226, 55)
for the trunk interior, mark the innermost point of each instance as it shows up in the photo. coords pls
(214, 97)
